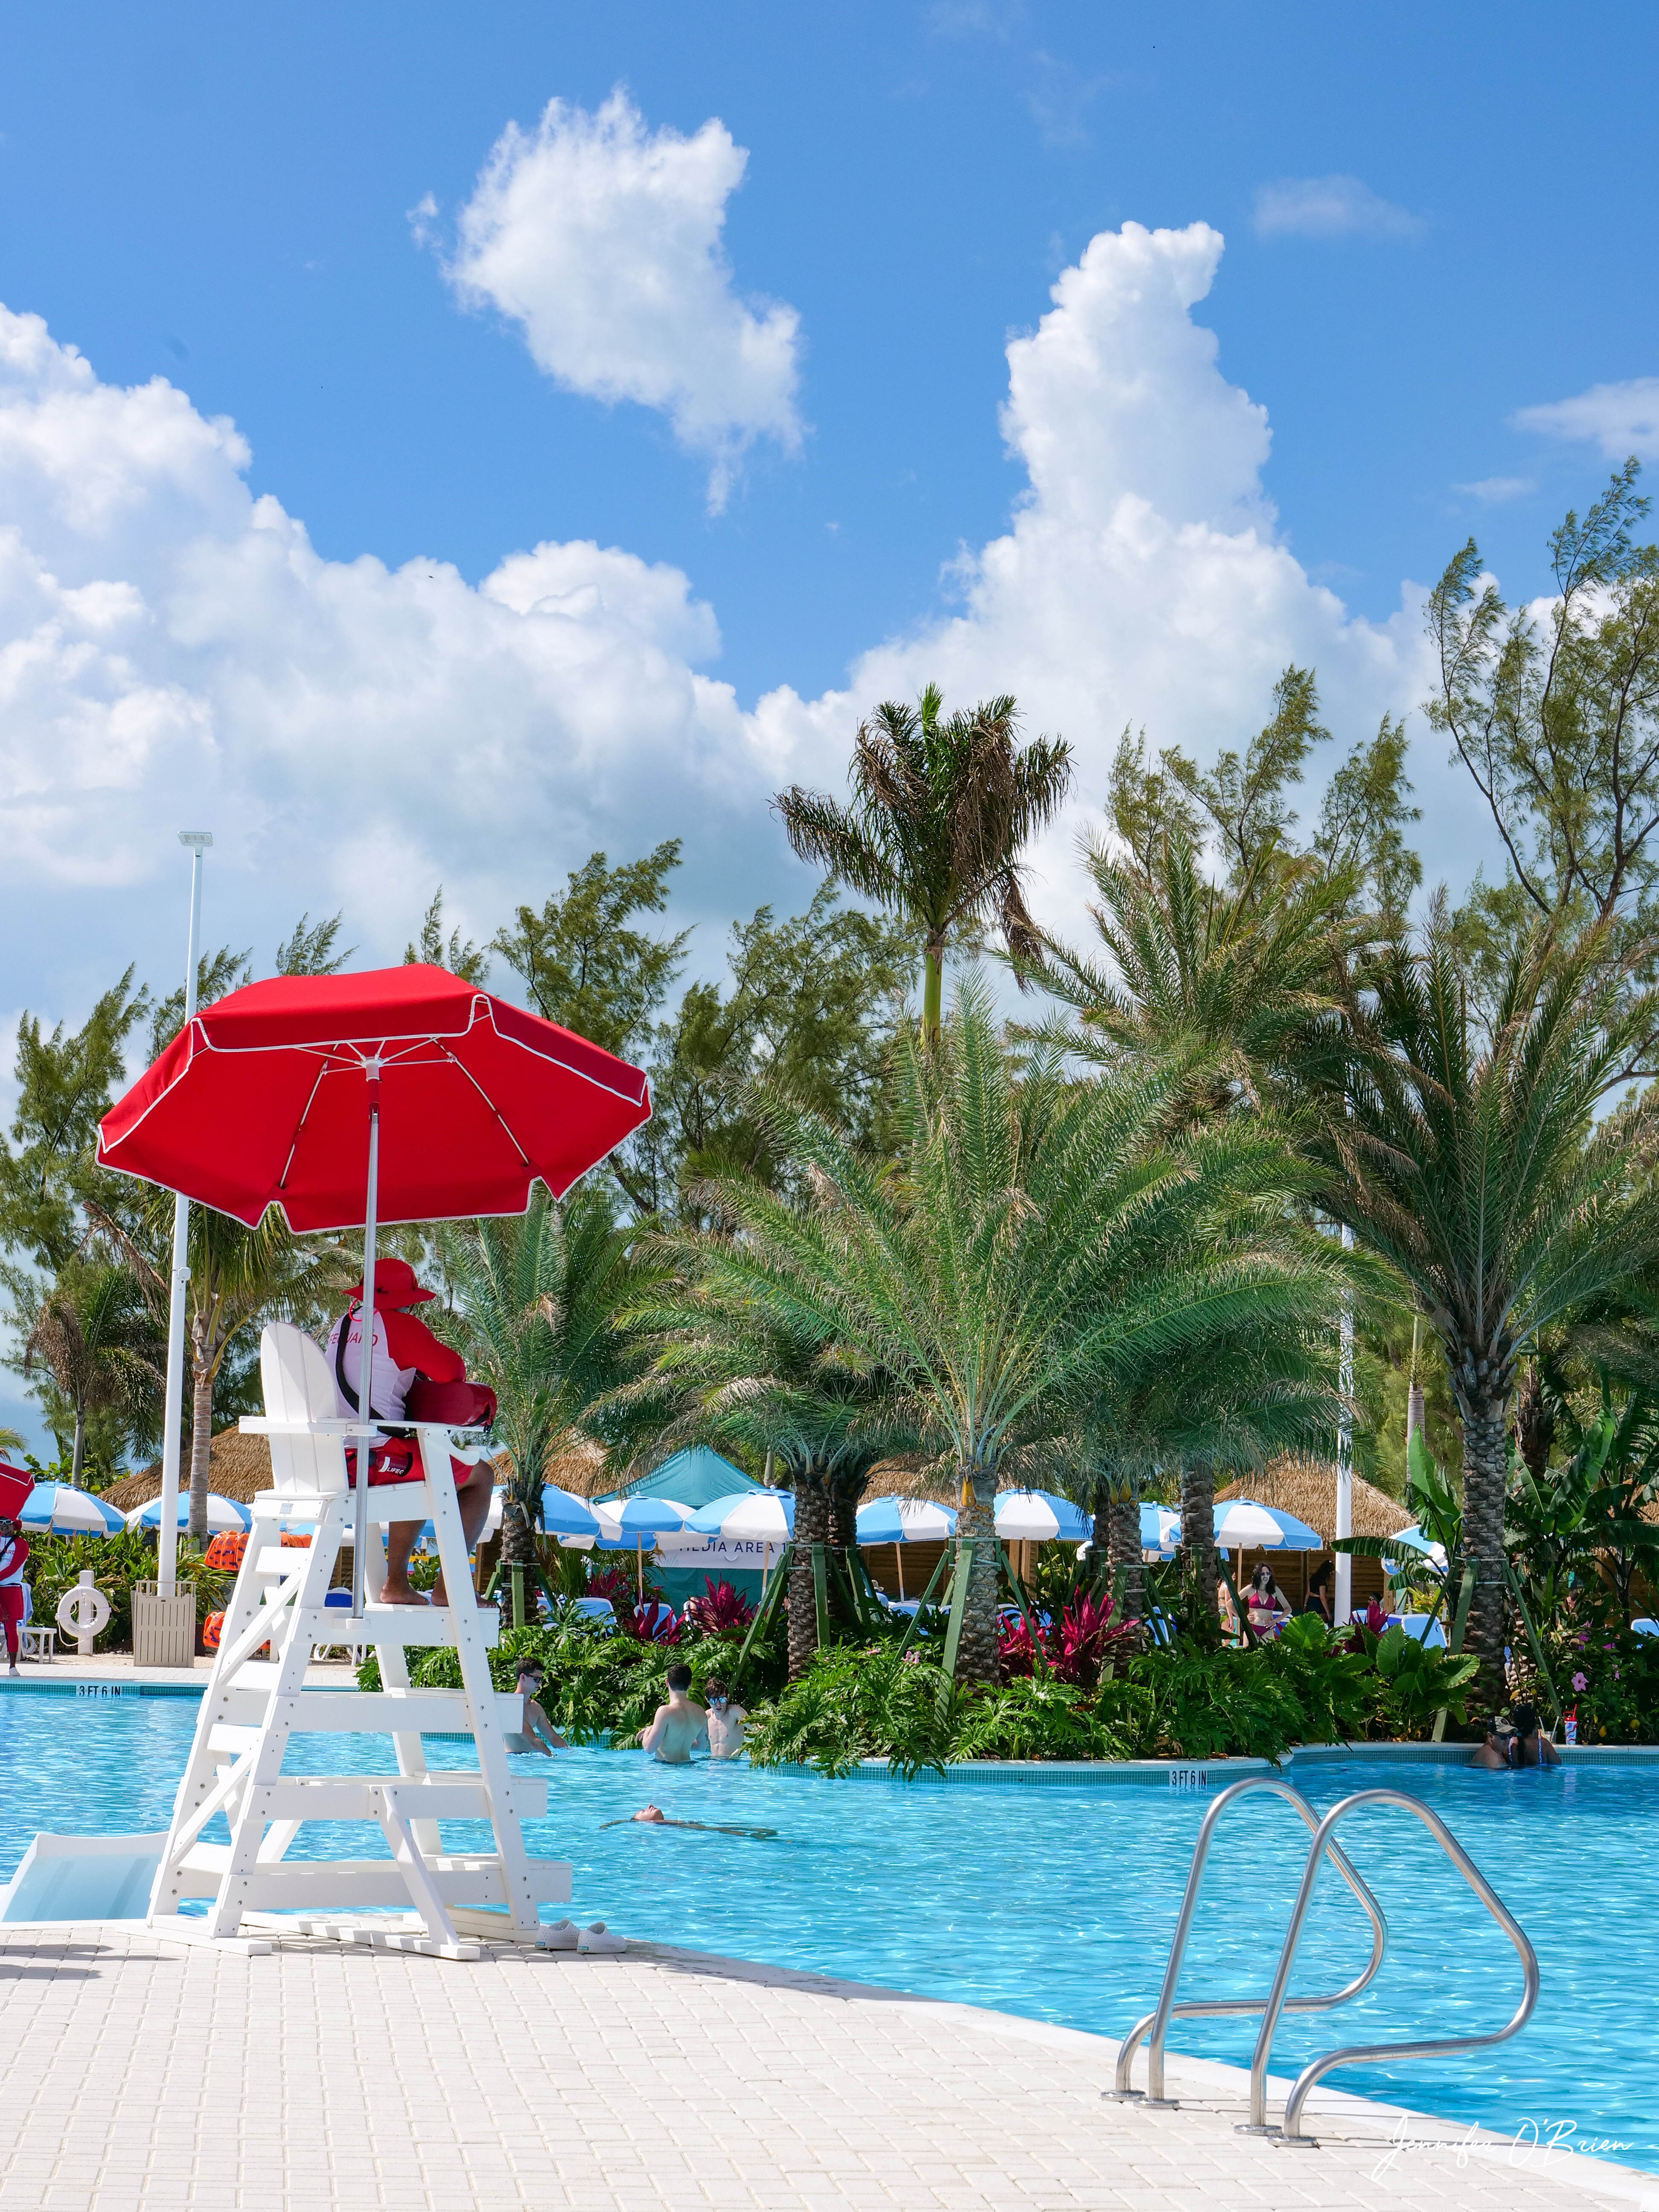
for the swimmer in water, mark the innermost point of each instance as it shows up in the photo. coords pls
(654, 1817)
(681, 1726)
(725, 1719)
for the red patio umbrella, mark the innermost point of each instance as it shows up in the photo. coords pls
(402, 1094)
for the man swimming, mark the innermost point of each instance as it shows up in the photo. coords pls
(681, 1726)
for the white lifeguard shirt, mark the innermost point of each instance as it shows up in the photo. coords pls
(391, 1382)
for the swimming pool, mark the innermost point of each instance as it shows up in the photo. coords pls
(1057, 1902)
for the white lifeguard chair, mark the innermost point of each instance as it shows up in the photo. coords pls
(253, 1705)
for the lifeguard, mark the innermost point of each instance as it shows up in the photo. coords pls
(405, 1349)
(13, 1558)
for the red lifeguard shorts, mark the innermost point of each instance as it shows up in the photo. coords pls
(398, 1460)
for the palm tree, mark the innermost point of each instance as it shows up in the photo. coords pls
(1248, 976)
(92, 1334)
(238, 1277)
(537, 1296)
(1474, 1164)
(1032, 1231)
(733, 1372)
(941, 811)
(1234, 1397)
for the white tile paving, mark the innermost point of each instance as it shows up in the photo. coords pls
(142, 2076)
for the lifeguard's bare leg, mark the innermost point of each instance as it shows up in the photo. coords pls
(473, 1498)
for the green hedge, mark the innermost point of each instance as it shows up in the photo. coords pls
(117, 1562)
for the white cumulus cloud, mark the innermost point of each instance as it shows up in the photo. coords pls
(173, 652)
(602, 239)
(1329, 207)
(1143, 581)
(1620, 419)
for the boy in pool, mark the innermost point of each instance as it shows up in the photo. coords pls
(535, 1732)
(725, 1719)
(654, 1817)
(681, 1726)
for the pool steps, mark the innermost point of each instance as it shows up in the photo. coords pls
(1272, 2007)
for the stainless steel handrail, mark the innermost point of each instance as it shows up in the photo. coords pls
(1158, 2022)
(1357, 2054)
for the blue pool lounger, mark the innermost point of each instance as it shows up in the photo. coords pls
(83, 1878)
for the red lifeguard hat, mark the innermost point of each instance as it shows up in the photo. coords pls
(394, 1286)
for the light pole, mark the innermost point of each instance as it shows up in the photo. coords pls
(167, 1561)
(1344, 1454)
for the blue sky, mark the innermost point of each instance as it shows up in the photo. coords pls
(326, 633)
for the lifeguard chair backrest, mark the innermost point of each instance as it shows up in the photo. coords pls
(299, 1386)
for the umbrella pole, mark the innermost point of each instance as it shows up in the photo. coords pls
(366, 1357)
(639, 1554)
(166, 1564)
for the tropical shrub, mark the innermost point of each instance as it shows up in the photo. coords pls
(1028, 1718)
(1191, 1704)
(853, 1704)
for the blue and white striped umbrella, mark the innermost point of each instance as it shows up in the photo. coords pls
(59, 1509)
(905, 1520)
(225, 1516)
(1160, 1530)
(748, 1516)
(1037, 1516)
(1242, 1525)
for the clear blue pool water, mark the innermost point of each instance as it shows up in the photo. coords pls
(1056, 1902)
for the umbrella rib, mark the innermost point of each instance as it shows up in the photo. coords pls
(489, 1101)
(299, 1126)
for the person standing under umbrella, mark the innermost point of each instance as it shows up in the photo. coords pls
(13, 1558)
(404, 1349)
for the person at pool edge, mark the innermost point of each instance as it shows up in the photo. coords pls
(681, 1726)
(535, 1732)
(1492, 1754)
(1529, 1745)
(13, 1558)
(403, 1348)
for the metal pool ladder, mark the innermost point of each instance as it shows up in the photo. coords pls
(1157, 2023)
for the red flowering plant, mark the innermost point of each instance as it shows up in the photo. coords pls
(722, 1610)
(654, 1622)
(1375, 1618)
(1087, 1632)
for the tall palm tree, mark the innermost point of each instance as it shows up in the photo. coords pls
(941, 811)
(1032, 1231)
(94, 1335)
(1471, 1159)
(536, 1300)
(239, 1278)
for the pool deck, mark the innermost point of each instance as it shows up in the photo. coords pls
(142, 2075)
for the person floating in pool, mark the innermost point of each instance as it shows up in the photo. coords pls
(725, 1719)
(653, 1816)
(535, 1732)
(13, 1558)
(681, 1726)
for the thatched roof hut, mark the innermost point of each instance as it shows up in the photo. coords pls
(913, 1475)
(1307, 1487)
(238, 1466)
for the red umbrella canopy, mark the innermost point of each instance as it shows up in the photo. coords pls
(264, 1100)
